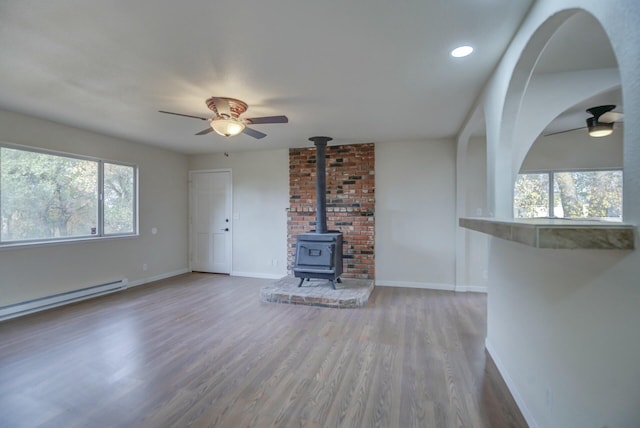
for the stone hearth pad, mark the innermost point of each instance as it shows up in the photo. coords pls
(351, 293)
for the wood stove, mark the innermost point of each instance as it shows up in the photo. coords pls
(319, 252)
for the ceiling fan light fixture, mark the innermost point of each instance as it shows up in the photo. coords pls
(227, 127)
(599, 129)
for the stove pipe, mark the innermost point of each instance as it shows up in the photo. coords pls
(321, 183)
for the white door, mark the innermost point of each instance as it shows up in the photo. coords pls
(210, 212)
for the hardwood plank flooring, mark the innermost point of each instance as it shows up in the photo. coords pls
(201, 350)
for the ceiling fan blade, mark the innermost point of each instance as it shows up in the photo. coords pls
(253, 133)
(185, 115)
(205, 131)
(564, 132)
(267, 119)
(610, 116)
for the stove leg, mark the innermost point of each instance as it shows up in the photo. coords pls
(332, 284)
(301, 281)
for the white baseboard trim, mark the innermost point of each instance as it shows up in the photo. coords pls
(158, 277)
(434, 286)
(73, 296)
(526, 413)
(53, 301)
(423, 285)
(258, 275)
(472, 289)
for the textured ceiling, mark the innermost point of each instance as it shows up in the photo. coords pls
(358, 70)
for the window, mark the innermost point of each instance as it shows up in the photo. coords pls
(47, 196)
(593, 195)
(531, 196)
(119, 215)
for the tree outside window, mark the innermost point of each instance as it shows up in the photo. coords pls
(118, 198)
(575, 194)
(46, 196)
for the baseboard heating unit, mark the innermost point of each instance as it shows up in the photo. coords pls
(36, 305)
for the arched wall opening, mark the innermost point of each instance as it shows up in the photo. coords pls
(561, 323)
(576, 70)
(501, 142)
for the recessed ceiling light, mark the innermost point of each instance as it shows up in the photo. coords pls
(461, 51)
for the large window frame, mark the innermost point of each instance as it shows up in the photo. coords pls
(552, 192)
(100, 184)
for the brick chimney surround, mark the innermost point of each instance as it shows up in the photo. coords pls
(350, 203)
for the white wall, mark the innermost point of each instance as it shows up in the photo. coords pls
(415, 214)
(260, 199)
(575, 150)
(415, 218)
(563, 324)
(32, 272)
(476, 246)
(548, 95)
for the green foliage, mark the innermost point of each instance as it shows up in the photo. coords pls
(118, 199)
(603, 194)
(47, 196)
(581, 194)
(531, 196)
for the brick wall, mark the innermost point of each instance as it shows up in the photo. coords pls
(350, 202)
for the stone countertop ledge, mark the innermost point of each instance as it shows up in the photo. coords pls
(557, 233)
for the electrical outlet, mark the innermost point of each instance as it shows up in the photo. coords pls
(274, 262)
(145, 267)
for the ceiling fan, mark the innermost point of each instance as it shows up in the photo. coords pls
(601, 122)
(227, 121)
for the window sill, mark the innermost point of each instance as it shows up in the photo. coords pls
(24, 245)
(557, 233)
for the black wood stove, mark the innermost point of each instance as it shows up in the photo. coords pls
(319, 252)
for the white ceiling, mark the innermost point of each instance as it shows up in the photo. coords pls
(358, 70)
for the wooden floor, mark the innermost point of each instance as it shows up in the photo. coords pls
(201, 350)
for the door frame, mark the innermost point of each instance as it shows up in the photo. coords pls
(230, 190)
